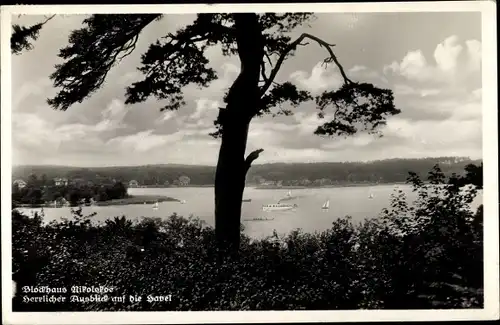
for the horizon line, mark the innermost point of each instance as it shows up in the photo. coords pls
(257, 164)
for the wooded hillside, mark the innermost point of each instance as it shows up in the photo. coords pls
(382, 171)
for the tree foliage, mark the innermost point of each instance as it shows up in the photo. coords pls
(34, 194)
(91, 53)
(178, 59)
(442, 231)
(22, 37)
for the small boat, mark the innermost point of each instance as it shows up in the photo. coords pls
(155, 206)
(259, 219)
(183, 201)
(287, 197)
(246, 200)
(278, 207)
(370, 196)
(326, 205)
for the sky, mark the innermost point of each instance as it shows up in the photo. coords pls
(431, 61)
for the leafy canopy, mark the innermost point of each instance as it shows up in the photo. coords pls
(20, 38)
(178, 59)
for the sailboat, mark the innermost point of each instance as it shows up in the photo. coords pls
(370, 196)
(155, 206)
(289, 194)
(326, 205)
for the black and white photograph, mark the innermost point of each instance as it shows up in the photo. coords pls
(250, 158)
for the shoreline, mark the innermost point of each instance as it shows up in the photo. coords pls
(170, 186)
(133, 199)
(275, 187)
(138, 199)
(294, 187)
(151, 199)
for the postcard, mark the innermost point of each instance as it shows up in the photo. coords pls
(249, 163)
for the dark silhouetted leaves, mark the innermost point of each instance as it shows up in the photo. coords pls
(92, 52)
(356, 107)
(276, 25)
(20, 38)
(172, 64)
(281, 94)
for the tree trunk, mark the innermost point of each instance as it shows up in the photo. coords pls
(242, 100)
(230, 184)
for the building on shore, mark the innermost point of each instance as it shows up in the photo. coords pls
(61, 181)
(20, 183)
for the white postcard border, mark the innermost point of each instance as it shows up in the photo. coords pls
(490, 158)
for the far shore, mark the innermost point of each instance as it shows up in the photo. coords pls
(171, 186)
(295, 187)
(276, 187)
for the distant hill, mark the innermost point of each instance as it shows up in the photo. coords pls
(382, 171)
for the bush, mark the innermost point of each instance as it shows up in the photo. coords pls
(422, 255)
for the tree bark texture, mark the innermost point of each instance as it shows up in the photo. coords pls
(242, 99)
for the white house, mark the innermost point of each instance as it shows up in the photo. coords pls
(20, 183)
(61, 181)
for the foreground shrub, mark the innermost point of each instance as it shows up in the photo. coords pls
(422, 255)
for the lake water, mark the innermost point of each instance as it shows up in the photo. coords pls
(309, 216)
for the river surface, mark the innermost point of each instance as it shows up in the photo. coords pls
(309, 216)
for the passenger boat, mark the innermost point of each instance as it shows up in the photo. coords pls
(279, 207)
(259, 219)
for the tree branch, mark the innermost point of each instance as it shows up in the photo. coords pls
(263, 71)
(268, 59)
(292, 46)
(46, 20)
(130, 48)
(251, 158)
(92, 51)
(20, 38)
